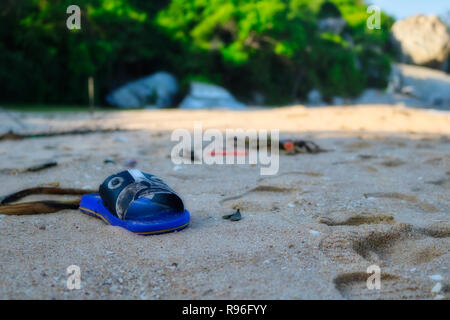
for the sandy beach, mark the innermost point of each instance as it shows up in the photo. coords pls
(379, 196)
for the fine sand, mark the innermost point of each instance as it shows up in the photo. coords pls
(381, 195)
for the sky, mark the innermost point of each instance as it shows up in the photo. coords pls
(405, 8)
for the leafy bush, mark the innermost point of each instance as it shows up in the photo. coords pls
(41, 61)
(329, 10)
(273, 47)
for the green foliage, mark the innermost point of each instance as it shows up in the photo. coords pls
(275, 47)
(329, 9)
(41, 61)
(269, 46)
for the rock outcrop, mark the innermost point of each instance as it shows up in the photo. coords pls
(156, 90)
(203, 95)
(423, 40)
(412, 86)
(432, 87)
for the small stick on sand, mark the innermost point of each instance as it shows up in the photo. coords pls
(42, 190)
(37, 207)
(42, 166)
(44, 206)
(18, 136)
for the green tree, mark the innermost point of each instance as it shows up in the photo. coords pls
(273, 47)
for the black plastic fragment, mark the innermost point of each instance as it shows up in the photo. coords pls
(236, 216)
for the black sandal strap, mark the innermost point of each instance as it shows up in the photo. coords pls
(120, 190)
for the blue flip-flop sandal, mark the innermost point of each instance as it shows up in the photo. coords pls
(139, 202)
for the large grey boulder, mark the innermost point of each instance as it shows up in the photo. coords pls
(375, 96)
(412, 86)
(203, 95)
(315, 98)
(431, 87)
(423, 40)
(156, 90)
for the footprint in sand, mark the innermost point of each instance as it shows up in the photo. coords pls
(367, 156)
(398, 245)
(435, 161)
(357, 220)
(354, 286)
(358, 163)
(389, 163)
(358, 145)
(444, 182)
(394, 245)
(411, 246)
(392, 163)
(394, 143)
(424, 206)
(424, 146)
